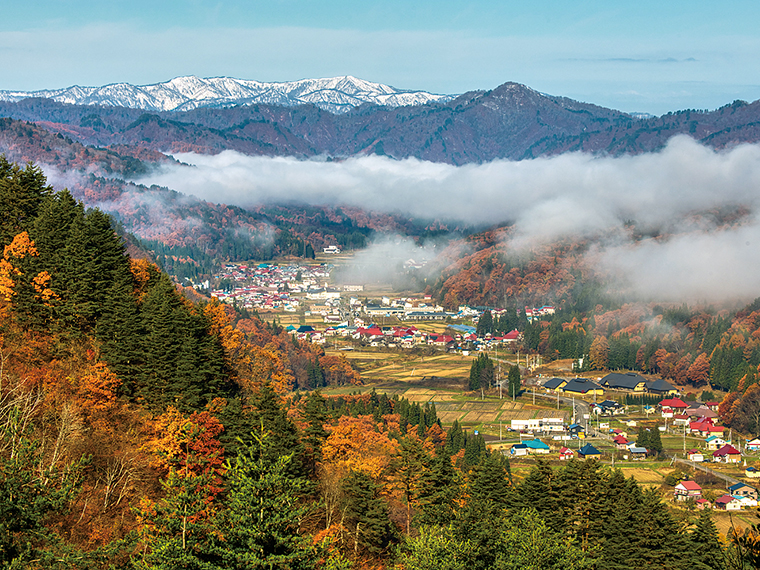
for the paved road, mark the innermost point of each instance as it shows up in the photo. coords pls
(728, 479)
(582, 408)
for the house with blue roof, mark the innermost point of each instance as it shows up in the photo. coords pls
(743, 490)
(536, 446)
(589, 451)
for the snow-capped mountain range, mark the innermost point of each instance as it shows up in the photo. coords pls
(335, 94)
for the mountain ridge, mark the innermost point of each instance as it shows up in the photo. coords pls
(184, 93)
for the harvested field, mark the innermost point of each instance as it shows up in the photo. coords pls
(449, 417)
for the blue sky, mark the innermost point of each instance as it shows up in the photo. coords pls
(634, 56)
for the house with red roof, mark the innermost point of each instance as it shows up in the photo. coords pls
(443, 340)
(621, 442)
(511, 336)
(696, 456)
(728, 503)
(671, 406)
(705, 428)
(680, 419)
(686, 490)
(566, 453)
(727, 454)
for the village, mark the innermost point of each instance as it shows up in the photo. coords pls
(594, 418)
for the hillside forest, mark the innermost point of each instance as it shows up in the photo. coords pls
(144, 427)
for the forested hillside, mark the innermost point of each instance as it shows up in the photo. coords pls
(139, 429)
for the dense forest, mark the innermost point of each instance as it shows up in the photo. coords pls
(142, 428)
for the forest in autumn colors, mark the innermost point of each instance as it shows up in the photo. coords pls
(143, 425)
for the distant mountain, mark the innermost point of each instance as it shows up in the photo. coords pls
(479, 126)
(511, 121)
(335, 94)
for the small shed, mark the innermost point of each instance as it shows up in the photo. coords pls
(696, 456)
(703, 504)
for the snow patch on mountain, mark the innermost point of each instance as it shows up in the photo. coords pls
(334, 94)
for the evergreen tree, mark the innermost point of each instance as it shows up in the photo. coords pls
(408, 464)
(455, 439)
(366, 515)
(513, 381)
(485, 323)
(655, 441)
(489, 494)
(263, 510)
(22, 192)
(705, 551)
(438, 492)
(526, 542)
(178, 530)
(315, 416)
(539, 491)
(269, 415)
(644, 438)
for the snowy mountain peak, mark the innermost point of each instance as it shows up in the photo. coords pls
(334, 94)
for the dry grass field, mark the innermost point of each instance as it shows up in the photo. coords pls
(382, 367)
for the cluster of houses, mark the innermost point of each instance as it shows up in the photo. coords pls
(269, 287)
(628, 382)
(537, 447)
(405, 336)
(739, 496)
(536, 312)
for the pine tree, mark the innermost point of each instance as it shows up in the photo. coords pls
(408, 465)
(315, 416)
(489, 494)
(22, 192)
(438, 492)
(269, 415)
(514, 383)
(263, 510)
(366, 515)
(705, 551)
(526, 541)
(485, 323)
(455, 439)
(539, 491)
(119, 330)
(178, 530)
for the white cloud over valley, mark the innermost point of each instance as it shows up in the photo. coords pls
(685, 191)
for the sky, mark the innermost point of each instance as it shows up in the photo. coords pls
(643, 56)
